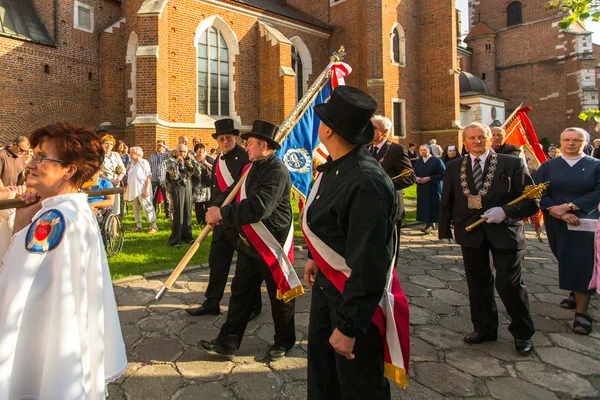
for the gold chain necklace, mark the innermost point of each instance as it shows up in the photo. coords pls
(474, 201)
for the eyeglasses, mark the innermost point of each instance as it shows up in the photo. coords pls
(23, 151)
(571, 140)
(38, 159)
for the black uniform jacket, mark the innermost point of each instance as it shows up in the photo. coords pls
(509, 149)
(394, 159)
(268, 188)
(236, 159)
(508, 183)
(354, 213)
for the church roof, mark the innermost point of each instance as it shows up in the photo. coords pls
(20, 20)
(480, 29)
(470, 84)
(282, 8)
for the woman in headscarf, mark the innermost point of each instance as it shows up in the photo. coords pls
(450, 153)
(430, 172)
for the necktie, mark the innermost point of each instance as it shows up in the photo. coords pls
(374, 151)
(477, 174)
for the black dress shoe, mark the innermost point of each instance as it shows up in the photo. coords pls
(524, 346)
(176, 245)
(478, 338)
(276, 352)
(255, 313)
(214, 347)
(196, 311)
(190, 242)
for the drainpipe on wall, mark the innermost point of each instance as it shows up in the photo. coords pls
(56, 23)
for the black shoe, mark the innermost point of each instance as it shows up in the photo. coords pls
(524, 346)
(427, 229)
(478, 338)
(255, 313)
(176, 245)
(190, 242)
(276, 352)
(214, 347)
(203, 311)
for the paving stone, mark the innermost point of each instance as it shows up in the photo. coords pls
(414, 391)
(158, 349)
(569, 360)
(440, 337)
(419, 316)
(293, 366)
(512, 388)
(131, 315)
(193, 333)
(544, 272)
(209, 390)
(422, 351)
(137, 298)
(445, 275)
(556, 380)
(120, 290)
(501, 349)
(161, 324)
(540, 280)
(255, 381)
(197, 364)
(457, 324)
(545, 324)
(442, 259)
(579, 343)
(427, 282)
(266, 332)
(131, 335)
(534, 288)
(475, 363)
(539, 339)
(464, 311)
(410, 289)
(294, 391)
(450, 297)
(252, 349)
(152, 382)
(446, 380)
(433, 305)
(553, 311)
(151, 285)
(549, 298)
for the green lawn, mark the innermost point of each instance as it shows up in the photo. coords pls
(410, 195)
(146, 253)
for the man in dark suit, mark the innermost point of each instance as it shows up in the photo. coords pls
(394, 159)
(227, 168)
(480, 185)
(499, 143)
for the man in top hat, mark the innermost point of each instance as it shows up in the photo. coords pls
(262, 216)
(481, 185)
(349, 223)
(227, 169)
(394, 159)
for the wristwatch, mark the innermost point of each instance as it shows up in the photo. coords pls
(571, 205)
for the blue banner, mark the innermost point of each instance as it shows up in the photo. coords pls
(297, 148)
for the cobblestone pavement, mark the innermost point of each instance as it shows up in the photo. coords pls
(165, 361)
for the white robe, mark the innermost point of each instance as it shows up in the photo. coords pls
(60, 336)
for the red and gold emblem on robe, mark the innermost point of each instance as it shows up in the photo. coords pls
(46, 232)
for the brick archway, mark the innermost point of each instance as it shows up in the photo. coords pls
(48, 113)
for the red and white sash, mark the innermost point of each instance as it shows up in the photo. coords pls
(278, 259)
(391, 316)
(224, 178)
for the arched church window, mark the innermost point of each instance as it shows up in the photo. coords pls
(398, 45)
(514, 14)
(213, 73)
(297, 67)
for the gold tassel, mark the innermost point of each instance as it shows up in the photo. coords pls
(290, 294)
(396, 374)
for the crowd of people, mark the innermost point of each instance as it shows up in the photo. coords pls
(55, 290)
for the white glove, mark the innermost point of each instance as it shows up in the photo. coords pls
(494, 215)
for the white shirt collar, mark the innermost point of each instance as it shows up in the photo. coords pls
(482, 157)
(380, 145)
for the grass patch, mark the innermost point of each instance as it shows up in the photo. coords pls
(147, 253)
(410, 197)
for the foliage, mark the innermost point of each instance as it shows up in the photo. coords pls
(577, 10)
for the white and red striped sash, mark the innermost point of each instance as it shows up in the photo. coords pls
(391, 316)
(278, 259)
(224, 178)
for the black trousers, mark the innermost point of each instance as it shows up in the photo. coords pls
(200, 209)
(219, 262)
(510, 286)
(181, 230)
(157, 187)
(332, 376)
(249, 274)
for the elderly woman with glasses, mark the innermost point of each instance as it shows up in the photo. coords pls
(139, 188)
(573, 195)
(113, 168)
(60, 336)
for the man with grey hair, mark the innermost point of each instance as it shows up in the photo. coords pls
(481, 185)
(596, 153)
(180, 168)
(499, 143)
(12, 160)
(436, 149)
(394, 159)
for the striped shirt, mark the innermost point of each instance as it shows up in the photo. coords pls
(158, 166)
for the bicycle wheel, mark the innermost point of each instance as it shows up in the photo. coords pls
(113, 235)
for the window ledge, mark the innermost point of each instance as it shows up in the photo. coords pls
(397, 64)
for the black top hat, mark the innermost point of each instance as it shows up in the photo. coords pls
(224, 126)
(263, 130)
(348, 113)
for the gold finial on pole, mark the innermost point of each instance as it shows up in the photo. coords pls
(338, 55)
(530, 192)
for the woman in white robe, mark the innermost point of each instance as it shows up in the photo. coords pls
(60, 336)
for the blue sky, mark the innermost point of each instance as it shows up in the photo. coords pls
(462, 5)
